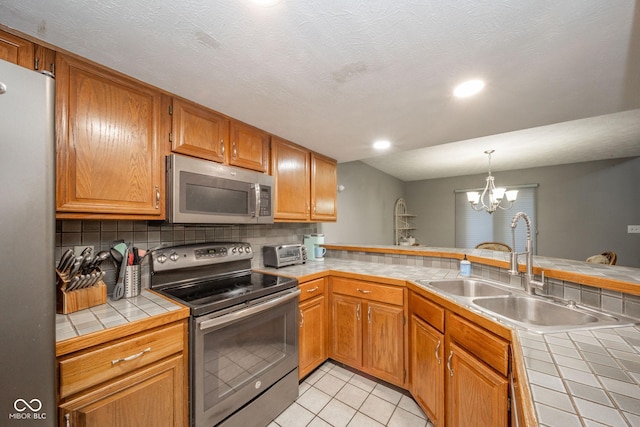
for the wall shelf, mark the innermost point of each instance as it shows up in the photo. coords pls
(404, 222)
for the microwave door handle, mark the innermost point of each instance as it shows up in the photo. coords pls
(257, 196)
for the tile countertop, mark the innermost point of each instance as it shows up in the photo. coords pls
(579, 378)
(112, 314)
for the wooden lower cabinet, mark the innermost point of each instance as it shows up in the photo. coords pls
(151, 397)
(313, 323)
(458, 370)
(476, 394)
(368, 334)
(138, 381)
(427, 369)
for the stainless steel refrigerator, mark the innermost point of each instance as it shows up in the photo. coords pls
(27, 234)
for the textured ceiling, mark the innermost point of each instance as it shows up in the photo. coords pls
(336, 75)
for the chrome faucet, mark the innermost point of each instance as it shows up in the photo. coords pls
(529, 283)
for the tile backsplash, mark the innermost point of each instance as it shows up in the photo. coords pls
(148, 235)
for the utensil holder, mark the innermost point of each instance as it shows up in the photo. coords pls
(78, 299)
(132, 281)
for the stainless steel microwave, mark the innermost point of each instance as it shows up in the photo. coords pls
(204, 192)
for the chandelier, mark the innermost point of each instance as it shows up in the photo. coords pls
(495, 195)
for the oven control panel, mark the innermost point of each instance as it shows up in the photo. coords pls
(186, 256)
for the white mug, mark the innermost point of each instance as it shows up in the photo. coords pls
(319, 252)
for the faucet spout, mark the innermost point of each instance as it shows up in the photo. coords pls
(529, 283)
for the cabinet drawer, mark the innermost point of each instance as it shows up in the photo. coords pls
(88, 369)
(492, 350)
(368, 290)
(426, 310)
(312, 289)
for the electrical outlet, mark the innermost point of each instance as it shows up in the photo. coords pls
(77, 250)
(633, 228)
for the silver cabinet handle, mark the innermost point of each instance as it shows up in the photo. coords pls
(157, 197)
(301, 318)
(449, 363)
(369, 314)
(313, 290)
(132, 357)
(364, 291)
(235, 151)
(358, 312)
(68, 422)
(438, 352)
(222, 146)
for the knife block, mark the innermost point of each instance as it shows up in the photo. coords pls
(78, 299)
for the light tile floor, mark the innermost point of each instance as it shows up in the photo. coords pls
(335, 396)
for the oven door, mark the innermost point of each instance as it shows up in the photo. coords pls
(240, 354)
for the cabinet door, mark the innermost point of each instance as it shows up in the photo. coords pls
(427, 369)
(313, 324)
(249, 147)
(324, 183)
(476, 394)
(383, 342)
(199, 132)
(346, 330)
(16, 50)
(290, 169)
(154, 396)
(45, 59)
(109, 161)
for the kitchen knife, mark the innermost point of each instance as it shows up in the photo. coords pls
(66, 257)
(77, 282)
(72, 284)
(75, 268)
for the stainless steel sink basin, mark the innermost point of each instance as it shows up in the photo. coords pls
(536, 314)
(466, 287)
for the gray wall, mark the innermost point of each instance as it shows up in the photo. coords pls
(365, 207)
(583, 208)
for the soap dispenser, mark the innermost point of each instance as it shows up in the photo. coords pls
(465, 267)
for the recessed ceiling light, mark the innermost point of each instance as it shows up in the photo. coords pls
(266, 3)
(468, 88)
(382, 144)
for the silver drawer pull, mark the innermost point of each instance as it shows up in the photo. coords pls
(438, 351)
(364, 291)
(132, 357)
(313, 290)
(449, 363)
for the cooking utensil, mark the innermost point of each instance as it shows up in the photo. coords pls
(118, 290)
(86, 251)
(72, 284)
(116, 256)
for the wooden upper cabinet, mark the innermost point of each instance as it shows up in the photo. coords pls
(16, 50)
(110, 163)
(249, 147)
(199, 132)
(44, 59)
(292, 177)
(305, 183)
(324, 183)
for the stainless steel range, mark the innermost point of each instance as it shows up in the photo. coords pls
(243, 337)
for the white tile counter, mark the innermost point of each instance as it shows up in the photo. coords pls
(112, 313)
(579, 378)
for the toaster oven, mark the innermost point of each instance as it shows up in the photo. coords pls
(282, 255)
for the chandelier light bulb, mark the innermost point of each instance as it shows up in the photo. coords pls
(494, 195)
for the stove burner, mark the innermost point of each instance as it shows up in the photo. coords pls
(210, 295)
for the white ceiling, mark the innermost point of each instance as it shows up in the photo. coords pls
(336, 75)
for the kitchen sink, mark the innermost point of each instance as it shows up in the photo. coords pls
(537, 314)
(466, 287)
(531, 312)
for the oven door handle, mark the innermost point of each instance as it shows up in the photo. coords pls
(237, 315)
